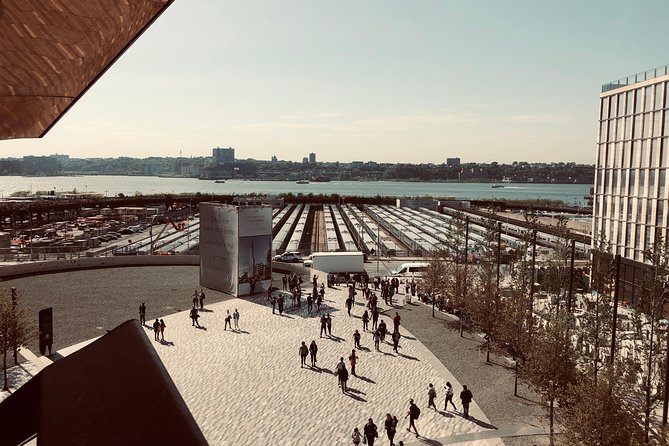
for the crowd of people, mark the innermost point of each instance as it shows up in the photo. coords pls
(371, 323)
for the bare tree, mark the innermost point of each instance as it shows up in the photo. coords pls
(16, 328)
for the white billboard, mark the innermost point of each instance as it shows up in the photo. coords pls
(235, 248)
(219, 232)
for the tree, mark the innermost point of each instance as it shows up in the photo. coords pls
(16, 328)
(550, 367)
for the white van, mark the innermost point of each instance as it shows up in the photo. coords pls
(414, 269)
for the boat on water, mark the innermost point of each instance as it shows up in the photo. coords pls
(302, 182)
(219, 181)
(497, 185)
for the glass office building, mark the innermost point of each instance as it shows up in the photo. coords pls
(630, 194)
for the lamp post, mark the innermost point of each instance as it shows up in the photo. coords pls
(464, 285)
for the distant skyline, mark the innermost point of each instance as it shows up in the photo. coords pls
(381, 80)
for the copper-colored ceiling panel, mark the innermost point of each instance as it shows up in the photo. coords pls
(53, 51)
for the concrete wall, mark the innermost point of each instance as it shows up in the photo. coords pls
(30, 268)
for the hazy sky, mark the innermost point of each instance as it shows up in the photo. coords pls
(383, 80)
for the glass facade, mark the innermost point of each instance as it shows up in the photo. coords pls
(631, 167)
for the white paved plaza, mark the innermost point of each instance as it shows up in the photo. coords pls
(247, 387)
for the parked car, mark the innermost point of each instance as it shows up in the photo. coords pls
(308, 261)
(126, 231)
(289, 257)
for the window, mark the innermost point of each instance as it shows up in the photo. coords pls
(619, 129)
(654, 153)
(621, 104)
(665, 148)
(658, 96)
(613, 106)
(638, 103)
(605, 108)
(660, 213)
(662, 184)
(643, 155)
(603, 126)
(651, 184)
(646, 125)
(628, 128)
(657, 123)
(632, 183)
(630, 102)
(647, 99)
(637, 127)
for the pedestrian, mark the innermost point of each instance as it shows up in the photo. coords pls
(304, 351)
(273, 304)
(279, 302)
(194, 316)
(396, 340)
(413, 414)
(142, 314)
(375, 318)
(196, 299)
(377, 340)
(390, 427)
(466, 398)
(201, 299)
(310, 301)
(342, 374)
(228, 321)
(252, 285)
(324, 325)
(313, 350)
(235, 317)
(349, 304)
(396, 321)
(356, 436)
(319, 301)
(365, 321)
(156, 330)
(449, 396)
(329, 323)
(431, 395)
(371, 432)
(383, 330)
(356, 339)
(162, 330)
(353, 359)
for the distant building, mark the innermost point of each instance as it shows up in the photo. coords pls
(631, 193)
(274, 159)
(223, 156)
(41, 165)
(305, 160)
(453, 162)
(312, 158)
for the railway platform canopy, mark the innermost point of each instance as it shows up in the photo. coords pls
(52, 52)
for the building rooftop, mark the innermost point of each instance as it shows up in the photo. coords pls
(636, 78)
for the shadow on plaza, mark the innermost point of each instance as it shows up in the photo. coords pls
(481, 423)
(353, 393)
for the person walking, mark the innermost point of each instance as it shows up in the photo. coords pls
(304, 351)
(342, 374)
(156, 330)
(273, 304)
(375, 318)
(353, 359)
(279, 302)
(319, 301)
(310, 301)
(313, 350)
(162, 330)
(449, 396)
(329, 323)
(228, 321)
(235, 317)
(383, 330)
(377, 340)
(466, 398)
(194, 316)
(413, 414)
(349, 305)
(365, 321)
(142, 314)
(371, 432)
(195, 298)
(431, 395)
(396, 340)
(356, 339)
(356, 436)
(201, 299)
(324, 326)
(396, 321)
(391, 428)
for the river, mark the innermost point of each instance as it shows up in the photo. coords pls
(571, 194)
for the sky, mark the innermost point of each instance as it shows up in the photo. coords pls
(364, 80)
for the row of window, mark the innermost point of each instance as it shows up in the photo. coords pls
(644, 125)
(631, 182)
(632, 154)
(638, 210)
(639, 100)
(629, 239)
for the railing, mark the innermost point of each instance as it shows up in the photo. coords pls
(636, 78)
